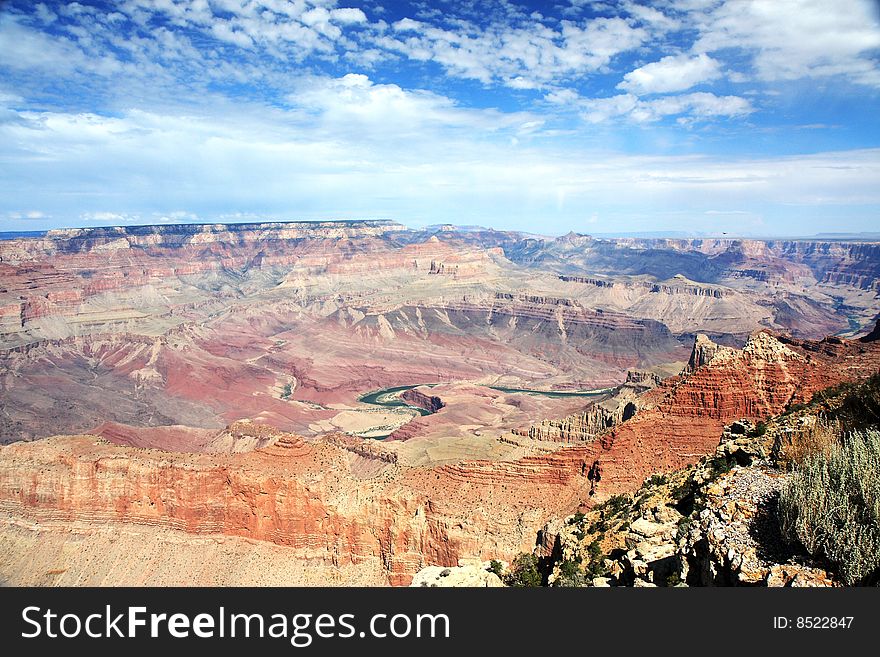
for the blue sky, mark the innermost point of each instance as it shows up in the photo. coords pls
(753, 117)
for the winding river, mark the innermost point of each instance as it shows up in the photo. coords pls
(390, 397)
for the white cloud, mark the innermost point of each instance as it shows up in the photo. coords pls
(562, 96)
(601, 109)
(354, 105)
(110, 217)
(348, 15)
(798, 38)
(45, 14)
(24, 48)
(445, 164)
(176, 217)
(407, 25)
(592, 47)
(142, 135)
(700, 105)
(28, 215)
(652, 17)
(672, 73)
(224, 32)
(690, 107)
(528, 56)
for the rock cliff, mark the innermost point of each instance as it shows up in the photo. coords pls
(430, 403)
(309, 497)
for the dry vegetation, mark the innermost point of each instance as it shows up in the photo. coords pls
(831, 505)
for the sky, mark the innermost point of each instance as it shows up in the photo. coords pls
(746, 117)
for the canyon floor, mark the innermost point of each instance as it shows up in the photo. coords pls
(349, 402)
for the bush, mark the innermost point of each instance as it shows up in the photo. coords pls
(288, 390)
(595, 566)
(720, 466)
(857, 404)
(759, 430)
(496, 567)
(831, 504)
(861, 406)
(683, 529)
(616, 504)
(570, 575)
(524, 572)
(816, 438)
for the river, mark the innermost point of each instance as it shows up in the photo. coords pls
(390, 397)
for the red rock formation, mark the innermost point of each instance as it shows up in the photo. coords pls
(263, 495)
(415, 397)
(682, 419)
(52, 276)
(301, 495)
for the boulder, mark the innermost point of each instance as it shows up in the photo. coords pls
(467, 576)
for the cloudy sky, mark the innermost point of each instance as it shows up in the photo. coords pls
(754, 117)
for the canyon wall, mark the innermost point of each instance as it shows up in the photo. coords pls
(302, 495)
(429, 403)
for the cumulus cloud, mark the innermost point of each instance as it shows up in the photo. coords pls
(176, 217)
(224, 32)
(688, 107)
(671, 73)
(353, 104)
(652, 17)
(348, 15)
(799, 38)
(526, 56)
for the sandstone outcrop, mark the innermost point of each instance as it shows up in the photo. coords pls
(680, 420)
(456, 576)
(430, 403)
(591, 422)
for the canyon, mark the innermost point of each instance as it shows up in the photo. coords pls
(198, 388)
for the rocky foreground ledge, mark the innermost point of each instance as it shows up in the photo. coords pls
(712, 524)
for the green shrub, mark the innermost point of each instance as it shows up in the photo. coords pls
(288, 390)
(683, 490)
(856, 404)
(720, 466)
(759, 430)
(861, 406)
(570, 575)
(831, 504)
(496, 567)
(524, 572)
(683, 529)
(616, 504)
(595, 556)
